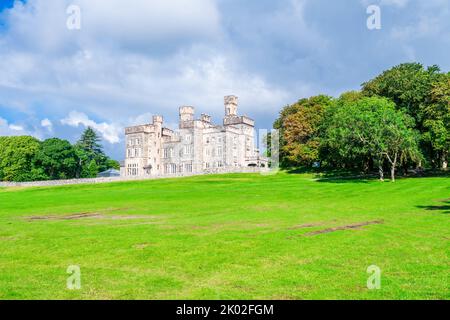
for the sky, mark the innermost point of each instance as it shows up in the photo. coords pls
(132, 59)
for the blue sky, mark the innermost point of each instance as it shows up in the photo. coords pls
(133, 59)
(6, 4)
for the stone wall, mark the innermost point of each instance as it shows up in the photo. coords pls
(119, 179)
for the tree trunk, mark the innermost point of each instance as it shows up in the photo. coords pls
(444, 161)
(393, 165)
(380, 170)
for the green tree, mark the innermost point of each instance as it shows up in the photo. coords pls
(88, 148)
(414, 89)
(92, 169)
(408, 85)
(90, 143)
(437, 121)
(112, 164)
(371, 128)
(57, 158)
(16, 155)
(300, 124)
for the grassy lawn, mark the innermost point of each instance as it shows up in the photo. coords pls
(241, 236)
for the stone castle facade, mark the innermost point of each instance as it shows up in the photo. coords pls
(198, 146)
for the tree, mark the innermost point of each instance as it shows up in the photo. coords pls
(300, 123)
(90, 143)
(437, 120)
(413, 89)
(112, 164)
(92, 169)
(408, 85)
(57, 158)
(16, 155)
(88, 148)
(372, 128)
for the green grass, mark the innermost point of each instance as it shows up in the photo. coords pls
(227, 237)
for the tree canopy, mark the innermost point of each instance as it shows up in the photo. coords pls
(25, 158)
(401, 118)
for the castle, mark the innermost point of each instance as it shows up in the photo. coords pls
(197, 147)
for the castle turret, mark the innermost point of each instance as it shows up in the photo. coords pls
(186, 116)
(157, 119)
(231, 103)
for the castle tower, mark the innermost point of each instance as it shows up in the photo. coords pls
(157, 120)
(186, 116)
(231, 103)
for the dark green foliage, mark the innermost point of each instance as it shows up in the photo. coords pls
(370, 131)
(400, 119)
(424, 95)
(16, 157)
(89, 149)
(27, 159)
(57, 158)
(92, 169)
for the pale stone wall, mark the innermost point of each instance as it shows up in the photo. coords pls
(120, 179)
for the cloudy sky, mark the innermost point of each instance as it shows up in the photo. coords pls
(135, 58)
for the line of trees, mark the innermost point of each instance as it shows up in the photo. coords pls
(25, 158)
(399, 119)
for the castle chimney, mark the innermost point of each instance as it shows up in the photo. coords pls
(206, 118)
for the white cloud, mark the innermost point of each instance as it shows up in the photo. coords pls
(8, 129)
(397, 3)
(15, 127)
(109, 132)
(126, 60)
(46, 123)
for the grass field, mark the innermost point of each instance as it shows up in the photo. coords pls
(242, 236)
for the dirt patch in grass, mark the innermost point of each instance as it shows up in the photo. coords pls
(89, 215)
(346, 227)
(141, 246)
(8, 238)
(67, 217)
(306, 225)
(230, 226)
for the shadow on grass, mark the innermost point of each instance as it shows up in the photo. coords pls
(348, 176)
(445, 207)
(334, 176)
